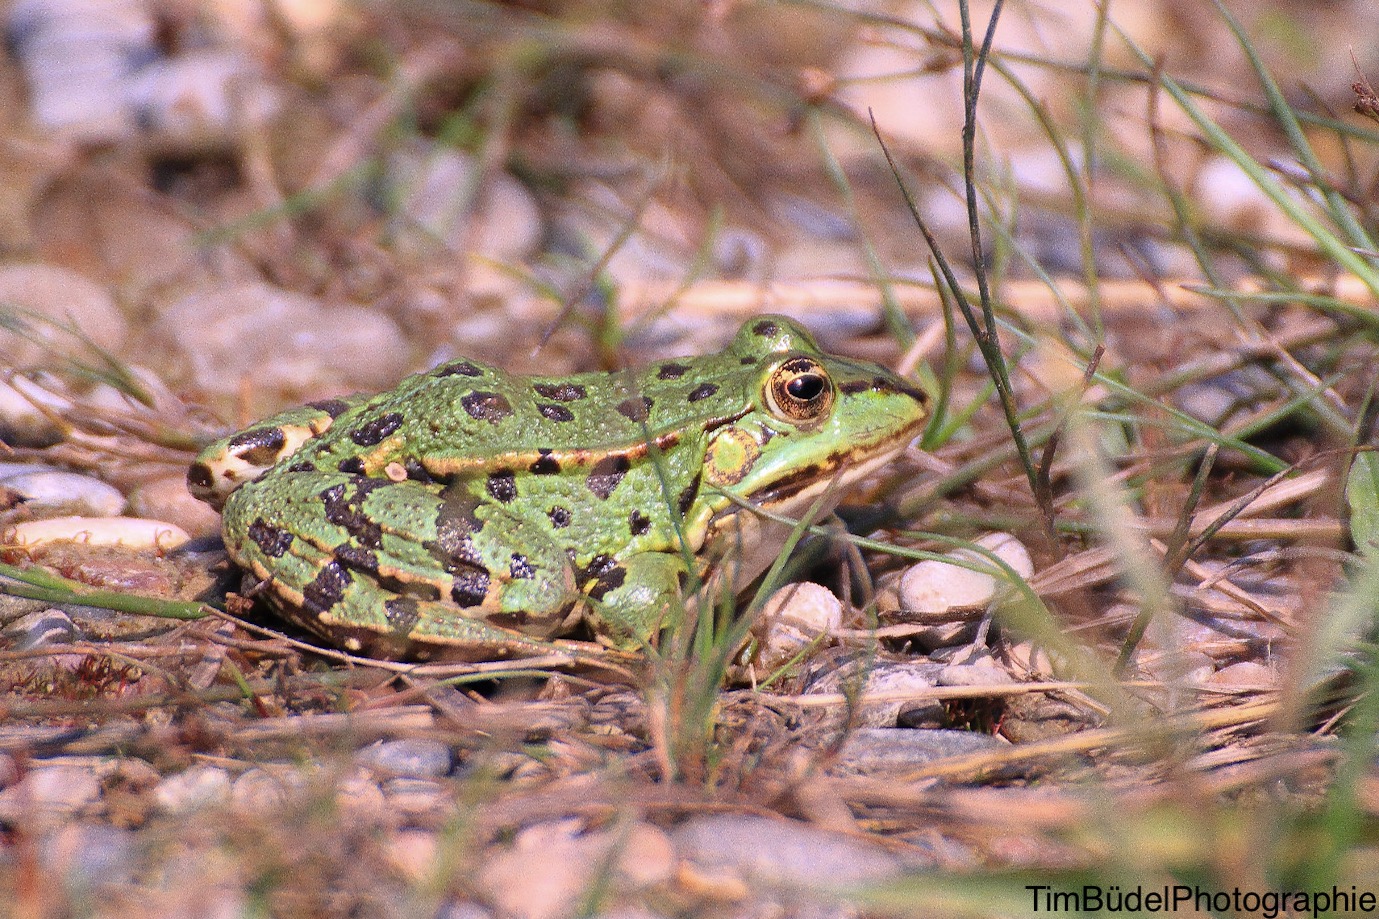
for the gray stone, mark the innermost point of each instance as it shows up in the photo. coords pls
(784, 855)
(412, 757)
(874, 750)
(39, 628)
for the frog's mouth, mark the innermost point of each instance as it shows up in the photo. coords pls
(833, 476)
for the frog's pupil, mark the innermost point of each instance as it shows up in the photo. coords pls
(806, 387)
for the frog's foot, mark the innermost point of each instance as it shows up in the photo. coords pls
(635, 600)
(399, 563)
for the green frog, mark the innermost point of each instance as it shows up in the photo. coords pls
(477, 513)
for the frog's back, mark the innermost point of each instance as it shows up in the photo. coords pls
(466, 417)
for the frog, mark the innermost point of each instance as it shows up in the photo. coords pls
(474, 513)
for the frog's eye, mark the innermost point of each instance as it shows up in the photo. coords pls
(799, 390)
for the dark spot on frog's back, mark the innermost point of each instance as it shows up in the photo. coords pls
(469, 588)
(326, 589)
(636, 408)
(332, 407)
(545, 463)
(765, 328)
(502, 485)
(672, 371)
(272, 541)
(560, 517)
(343, 511)
(703, 391)
(258, 446)
(687, 496)
(520, 568)
(607, 574)
(638, 523)
(606, 474)
(555, 412)
(560, 392)
(486, 406)
(402, 614)
(358, 558)
(458, 369)
(374, 432)
(351, 465)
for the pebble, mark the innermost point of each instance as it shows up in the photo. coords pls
(796, 616)
(933, 590)
(550, 867)
(357, 794)
(133, 532)
(872, 750)
(87, 855)
(193, 789)
(437, 189)
(413, 796)
(22, 421)
(49, 492)
(76, 56)
(288, 345)
(413, 853)
(412, 757)
(780, 854)
(197, 97)
(892, 678)
(49, 791)
(1245, 675)
(39, 628)
(261, 790)
(167, 499)
(64, 297)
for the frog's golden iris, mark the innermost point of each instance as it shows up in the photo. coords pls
(476, 513)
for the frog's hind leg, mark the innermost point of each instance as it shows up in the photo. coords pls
(390, 567)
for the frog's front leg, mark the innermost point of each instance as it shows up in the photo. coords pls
(372, 562)
(631, 601)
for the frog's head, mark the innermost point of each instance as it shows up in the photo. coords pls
(818, 422)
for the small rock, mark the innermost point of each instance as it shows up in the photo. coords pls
(263, 791)
(22, 422)
(89, 856)
(50, 492)
(133, 532)
(50, 791)
(872, 750)
(440, 203)
(1245, 675)
(796, 616)
(39, 628)
(779, 854)
(413, 853)
(357, 794)
(893, 680)
(550, 867)
(196, 788)
(168, 499)
(45, 300)
(412, 796)
(412, 757)
(289, 345)
(932, 590)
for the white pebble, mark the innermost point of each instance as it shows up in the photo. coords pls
(168, 499)
(197, 787)
(52, 490)
(794, 617)
(934, 588)
(62, 297)
(286, 344)
(133, 532)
